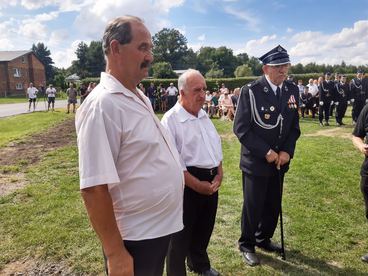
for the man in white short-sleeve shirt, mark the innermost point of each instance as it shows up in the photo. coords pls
(32, 96)
(199, 147)
(172, 94)
(130, 173)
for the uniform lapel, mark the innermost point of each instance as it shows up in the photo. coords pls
(268, 93)
(285, 96)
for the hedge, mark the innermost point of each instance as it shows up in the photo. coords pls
(214, 84)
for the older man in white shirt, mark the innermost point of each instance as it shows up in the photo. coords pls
(199, 147)
(32, 96)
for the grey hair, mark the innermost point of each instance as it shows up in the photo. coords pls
(119, 29)
(182, 81)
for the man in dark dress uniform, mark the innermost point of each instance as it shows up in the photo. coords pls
(341, 102)
(267, 126)
(358, 94)
(360, 135)
(334, 95)
(326, 94)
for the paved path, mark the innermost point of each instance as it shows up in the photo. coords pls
(20, 108)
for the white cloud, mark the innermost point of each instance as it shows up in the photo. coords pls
(63, 5)
(57, 38)
(349, 45)
(63, 58)
(166, 5)
(289, 30)
(93, 19)
(250, 19)
(47, 16)
(201, 37)
(257, 47)
(182, 30)
(33, 31)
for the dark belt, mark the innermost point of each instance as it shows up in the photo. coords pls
(210, 172)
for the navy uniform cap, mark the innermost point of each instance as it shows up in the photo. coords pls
(277, 56)
(360, 71)
(328, 73)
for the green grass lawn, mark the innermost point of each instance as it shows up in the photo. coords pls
(9, 100)
(16, 127)
(324, 223)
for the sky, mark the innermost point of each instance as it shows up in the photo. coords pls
(320, 31)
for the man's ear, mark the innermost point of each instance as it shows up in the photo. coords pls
(114, 47)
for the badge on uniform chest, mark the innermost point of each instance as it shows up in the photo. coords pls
(292, 102)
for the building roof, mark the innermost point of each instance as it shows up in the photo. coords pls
(10, 55)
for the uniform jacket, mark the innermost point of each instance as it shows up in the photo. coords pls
(257, 141)
(326, 91)
(342, 92)
(358, 89)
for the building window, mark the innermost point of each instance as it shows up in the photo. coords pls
(19, 86)
(17, 73)
(23, 59)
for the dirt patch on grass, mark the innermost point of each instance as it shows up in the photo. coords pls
(31, 267)
(331, 132)
(17, 156)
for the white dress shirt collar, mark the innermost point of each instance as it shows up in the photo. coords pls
(274, 87)
(184, 115)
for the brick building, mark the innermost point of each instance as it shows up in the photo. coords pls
(17, 70)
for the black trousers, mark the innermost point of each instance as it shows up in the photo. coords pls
(148, 255)
(324, 110)
(357, 107)
(364, 189)
(191, 243)
(340, 111)
(261, 209)
(171, 101)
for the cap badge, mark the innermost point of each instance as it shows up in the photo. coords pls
(279, 49)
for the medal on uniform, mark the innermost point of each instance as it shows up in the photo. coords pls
(265, 89)
(272, 108)
(286, 89)
(267, 116)
(262, 108)
(292, 102)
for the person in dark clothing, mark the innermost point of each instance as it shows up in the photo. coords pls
(326, 90)
(267, 126)
(358, 94)
(342, 96)
(360, 135)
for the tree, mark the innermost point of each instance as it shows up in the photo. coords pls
(80, 65)
(205, 58)
(256, 66)
(226, 60)
(243, 71)
(162, 70)
(43, 54)
(215, 72)
(95, 59)
(169, 45)
(242, 58)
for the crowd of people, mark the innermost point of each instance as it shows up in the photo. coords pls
(328, 98)
(152, 192)
(33, 94)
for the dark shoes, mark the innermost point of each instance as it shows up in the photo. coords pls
(270, 247)
(210, 272)
(251, 258)
(365, 258)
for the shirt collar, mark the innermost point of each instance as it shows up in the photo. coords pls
(274, 87)
(184, 115)
(113, 86)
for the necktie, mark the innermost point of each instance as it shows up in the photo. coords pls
(278, 93)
